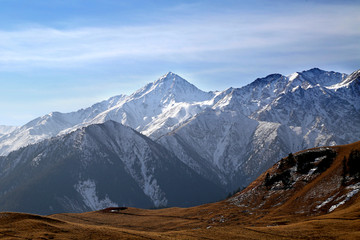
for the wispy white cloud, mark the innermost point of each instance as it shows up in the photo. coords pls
(206, 38)
(89, 57)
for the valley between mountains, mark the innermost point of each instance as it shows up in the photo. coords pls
(170, 144)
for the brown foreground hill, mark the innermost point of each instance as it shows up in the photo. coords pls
(313, 194)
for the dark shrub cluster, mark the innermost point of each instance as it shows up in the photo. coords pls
(305, 160)
(326, 162)
(286, 163)
(239, 189)
(351, 167)
(354, 163)
(284, 177)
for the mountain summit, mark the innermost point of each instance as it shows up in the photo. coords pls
(172, 88)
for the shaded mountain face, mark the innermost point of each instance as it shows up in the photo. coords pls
(311, 182)
(95, 167)
(228, 138)
(214, 143)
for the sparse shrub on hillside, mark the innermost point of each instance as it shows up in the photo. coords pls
(267, 182)
(239, 189)
(344, 172)
(321, 159)
(326, 162)
(291, 159)
(354, 163)
(351, 167)
(304, 165)
(286, 163)
(284, 177)
(282, 164)
(305, 160)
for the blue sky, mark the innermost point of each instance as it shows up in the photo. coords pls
(64, 55)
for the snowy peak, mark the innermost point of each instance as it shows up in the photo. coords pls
(264, 91)
(304, 79)
(352, 81)
(170, 77)
(173, 79)
(266, 80)
(275, 84)
(159, 106)
(353, 78)
(172, 87)
(313, 72)
(316, 76)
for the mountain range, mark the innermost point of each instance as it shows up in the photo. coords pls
(175, 135)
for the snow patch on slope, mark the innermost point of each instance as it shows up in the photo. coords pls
(136, 154)
(87, 190)
(355, 189)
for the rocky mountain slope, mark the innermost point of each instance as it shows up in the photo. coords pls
(310, 182)
(95, 167)
(249, 128)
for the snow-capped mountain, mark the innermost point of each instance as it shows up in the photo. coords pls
(154, 110)
(51, 125)
(273, 116)
(315, 112)
(263, 91)
(159, 106)
(227, 137)
(98, 166)
(349, 89)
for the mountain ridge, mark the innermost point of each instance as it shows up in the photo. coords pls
(228, 137)
(291, 113)
(109, 110)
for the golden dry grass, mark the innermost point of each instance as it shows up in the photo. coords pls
(177, 223)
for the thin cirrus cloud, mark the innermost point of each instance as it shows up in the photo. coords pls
(84, 57)
(225, 36)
